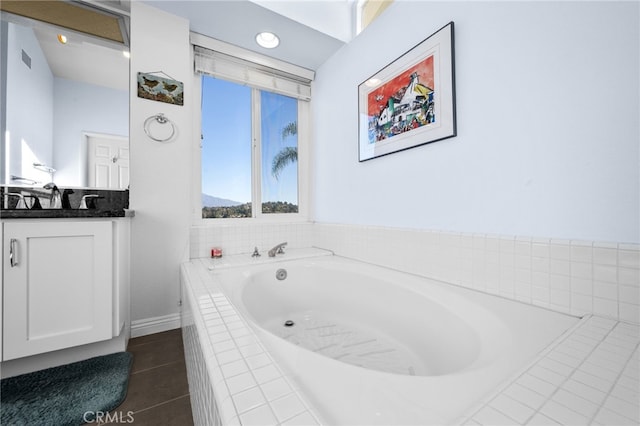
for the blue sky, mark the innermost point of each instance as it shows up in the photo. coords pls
(226, 143)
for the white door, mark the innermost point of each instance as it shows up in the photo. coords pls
(58, 285)
(108, 162)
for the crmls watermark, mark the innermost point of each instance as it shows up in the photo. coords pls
(104, 417)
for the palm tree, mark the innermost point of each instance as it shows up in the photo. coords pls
(288, 154)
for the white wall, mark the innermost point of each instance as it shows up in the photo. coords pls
(160, 172)
(81, 107)
(29, 109)
(548, 136)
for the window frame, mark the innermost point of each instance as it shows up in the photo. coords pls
(304, 111)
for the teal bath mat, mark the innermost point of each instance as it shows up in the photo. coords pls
(66, 395)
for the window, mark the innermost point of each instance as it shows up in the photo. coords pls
(368, 11)
(253, 149)
(279, 149)
(227, 156)
(226, 149)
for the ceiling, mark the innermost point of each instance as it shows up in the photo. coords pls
(81, 59)
(310, 31)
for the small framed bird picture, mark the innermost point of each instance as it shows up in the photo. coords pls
(160, 89)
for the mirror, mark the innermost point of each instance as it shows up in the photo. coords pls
(64, 106)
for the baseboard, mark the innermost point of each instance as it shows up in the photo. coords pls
(155, 325)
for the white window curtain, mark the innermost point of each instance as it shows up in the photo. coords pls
(241, 71)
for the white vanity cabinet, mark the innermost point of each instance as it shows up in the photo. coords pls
(58, 285)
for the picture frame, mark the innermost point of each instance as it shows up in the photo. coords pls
(411, 101)
(156, 88)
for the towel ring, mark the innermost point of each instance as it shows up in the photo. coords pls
(160, 118)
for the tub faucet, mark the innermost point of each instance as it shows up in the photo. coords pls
(279, 249)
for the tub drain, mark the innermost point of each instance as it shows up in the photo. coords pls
(289, 323)
(281, 274)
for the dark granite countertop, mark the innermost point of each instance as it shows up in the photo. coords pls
(60, 213)
(109, 203)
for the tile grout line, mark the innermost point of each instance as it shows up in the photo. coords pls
(250, 370)
(614, 383)
(157, 366)
(558, 387)
(161, 403)
(568, 377)
(215, 355)
(244, 360)
(166, 338)
(499, 390)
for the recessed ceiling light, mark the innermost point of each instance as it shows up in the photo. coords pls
(267, 40)
(62, 38)
(126, 54)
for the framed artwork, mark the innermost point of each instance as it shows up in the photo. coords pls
(411, 101)
(156, 88)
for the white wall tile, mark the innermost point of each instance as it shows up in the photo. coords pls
(581, 286)
(605, 290)
(605, 307)
(628, 258)
(629, 312)
(560, 250)
(558, 274)
(559, 282)
(581, 304)
(582, 251)
(605, 255)
(629, 294)
(628, 276)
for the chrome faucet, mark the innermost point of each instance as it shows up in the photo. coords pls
(85, 203)
(55, 201)
(20, 204)
(279, 249)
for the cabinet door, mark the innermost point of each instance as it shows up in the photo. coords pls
(57, 286)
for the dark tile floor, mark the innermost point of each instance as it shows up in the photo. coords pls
(158, 392)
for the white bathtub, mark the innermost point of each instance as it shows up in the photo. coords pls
(373, 346)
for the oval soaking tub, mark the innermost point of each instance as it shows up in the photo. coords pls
(369, 345)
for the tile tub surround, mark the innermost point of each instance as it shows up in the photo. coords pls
(588, 376)
(570, 276)
(236, 238)
(233, 380)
